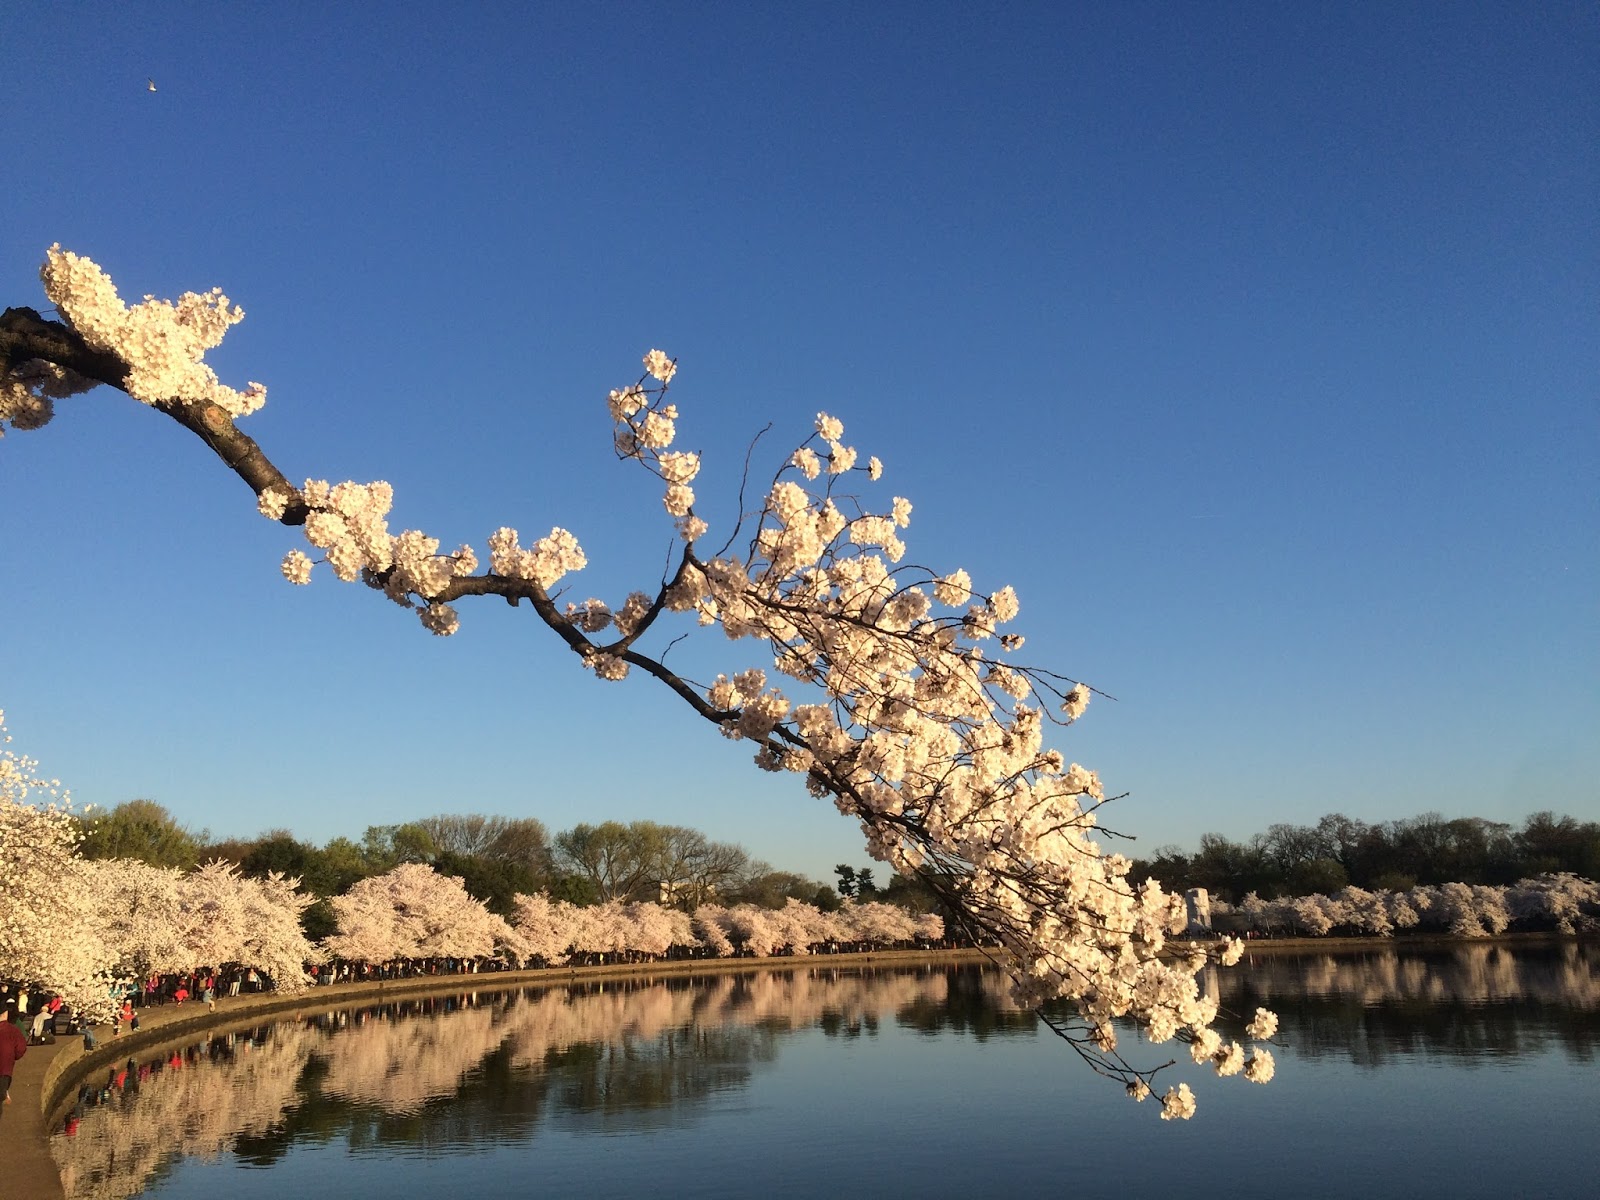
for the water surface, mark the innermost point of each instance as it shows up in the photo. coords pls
(1464, 1072)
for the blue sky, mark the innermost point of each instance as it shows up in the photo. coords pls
(1256, 347)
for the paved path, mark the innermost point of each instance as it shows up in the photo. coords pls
(47, 1073)
(27, 1172)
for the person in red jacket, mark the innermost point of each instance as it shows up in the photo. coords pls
(13, 1045)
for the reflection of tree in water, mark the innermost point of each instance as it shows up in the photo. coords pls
(168, 1106)
(1473, 1001)
(667, 1074)
(399, 1063)
(472, 1071)
(455, 1074)
(491, 1101)
(976, 1001)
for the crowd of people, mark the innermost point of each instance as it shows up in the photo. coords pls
(38, 1017)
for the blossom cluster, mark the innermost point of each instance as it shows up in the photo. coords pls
(29, 392)
(162, 344)
(556, 932)
(413, 912)
(162, 921)
(348, 522)
(646, 426)
(936, 743)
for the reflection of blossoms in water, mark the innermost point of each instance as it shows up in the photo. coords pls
(398, 1064)
(474, 1069)
(656, 1043)
(1569, 975)
(171, 1106)
(631, 1014)
(1461, 1000)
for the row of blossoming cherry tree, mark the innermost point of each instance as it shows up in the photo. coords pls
(1558, 901)
(77, 926)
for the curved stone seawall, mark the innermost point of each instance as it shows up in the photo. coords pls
(48, 1077)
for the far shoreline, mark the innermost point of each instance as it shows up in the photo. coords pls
(1412, 941)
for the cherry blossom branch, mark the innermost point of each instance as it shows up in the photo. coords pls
(934, 745)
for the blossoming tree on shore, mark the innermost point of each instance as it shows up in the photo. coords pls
(49, 936)
(414, 912)
(162, 921)
(912, 714)
(1554, 901)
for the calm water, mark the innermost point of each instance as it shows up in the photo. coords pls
(1462, 1073)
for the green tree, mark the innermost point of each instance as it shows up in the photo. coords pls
(773, 889)
(319, 920)
(1363, 850)
(1231, 870)
(1287, 847)
(140, 829)
(574, 889)
(521, 842)
(344, 865)
(913, 893)
(493, 881)
(279, 850)
(692, 869)
(1168, 865)
(387, 846)
(1317, 875)
(231, 850)
(1550, 843)
(847, 880)
(621, 861)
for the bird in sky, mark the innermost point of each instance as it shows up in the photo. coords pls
(152, 84)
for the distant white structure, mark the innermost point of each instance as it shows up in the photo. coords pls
(1198, 902)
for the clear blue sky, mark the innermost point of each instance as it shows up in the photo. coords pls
(1255, 346)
